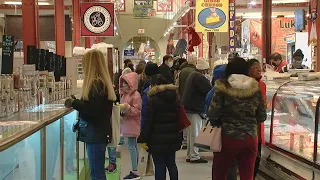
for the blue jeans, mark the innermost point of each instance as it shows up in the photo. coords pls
(162, 162)
(96, 157)
(133, 149)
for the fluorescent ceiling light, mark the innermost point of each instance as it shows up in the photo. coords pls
(253, 3)
(20, 3)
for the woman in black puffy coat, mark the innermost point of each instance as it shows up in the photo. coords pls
(160, 130)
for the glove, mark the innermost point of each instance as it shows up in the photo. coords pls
(121, 106)
(68, 103)
(144, 146)
(124, 107)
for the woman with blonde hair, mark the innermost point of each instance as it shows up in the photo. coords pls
(95, 109)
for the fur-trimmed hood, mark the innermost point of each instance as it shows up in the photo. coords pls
(161, 88)
(238, 86)
(166, 92)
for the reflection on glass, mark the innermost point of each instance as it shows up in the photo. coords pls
(70, 161)
(81, 156)
(293, 123)
(23, 160)
(53, 151)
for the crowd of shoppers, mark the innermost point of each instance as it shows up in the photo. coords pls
(150, 97)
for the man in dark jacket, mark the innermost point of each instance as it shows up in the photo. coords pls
(184, 74)
(165, 68)
(193, 100)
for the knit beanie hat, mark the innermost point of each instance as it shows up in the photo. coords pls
(151, 69)
(298, 53)
(126, 71)
(202, 65)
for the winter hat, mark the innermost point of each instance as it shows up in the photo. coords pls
(298, 53)
(151, 69)
(202, 65)
(126, 71)
(192, 59)
(158, 80)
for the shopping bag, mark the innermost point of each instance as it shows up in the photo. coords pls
(183, 121)
(209, 138)
(115, 125)
(145, 165)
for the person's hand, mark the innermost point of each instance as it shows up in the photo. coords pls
(68, 103)
(144, 146)
(123, 106)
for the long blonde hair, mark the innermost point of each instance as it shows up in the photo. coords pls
(95, 68)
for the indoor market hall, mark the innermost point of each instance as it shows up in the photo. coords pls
(159, 90)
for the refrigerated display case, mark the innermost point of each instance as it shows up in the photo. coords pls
(291, 128)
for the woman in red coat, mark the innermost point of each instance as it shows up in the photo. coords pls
(255, 72)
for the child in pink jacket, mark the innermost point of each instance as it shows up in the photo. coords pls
(131, 111)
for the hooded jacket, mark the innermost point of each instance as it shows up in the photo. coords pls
(218, 73)
(237, 106)
(130, 124)
(160, 129)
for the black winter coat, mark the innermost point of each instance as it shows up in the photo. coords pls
(160, 128)
(95, 114)
(165, 71)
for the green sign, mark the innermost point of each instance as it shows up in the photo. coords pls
(142, 8)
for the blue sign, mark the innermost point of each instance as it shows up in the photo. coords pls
(129, 52)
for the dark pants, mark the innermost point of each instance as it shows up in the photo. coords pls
(96, 157)
(243, 151)
(256, 167)
(162, 162)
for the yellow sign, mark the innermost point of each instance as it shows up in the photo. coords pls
(212, 15)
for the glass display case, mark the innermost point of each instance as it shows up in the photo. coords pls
(40, 145)
(292, 119)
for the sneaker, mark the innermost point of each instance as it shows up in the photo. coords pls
(132, 176)
(111, 168)
(199, 161)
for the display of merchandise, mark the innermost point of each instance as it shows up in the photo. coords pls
(294, 115)
(27, 88)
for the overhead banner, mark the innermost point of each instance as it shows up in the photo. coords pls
(232, 26)
(143, 8)
(212, 16)
(97, 19)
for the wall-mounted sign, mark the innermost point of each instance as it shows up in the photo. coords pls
(141, 31)
(129, 52)
(142, 8)
(164, 5)
(232, 26)
(212, 16)
(97, 19)
(7, 54)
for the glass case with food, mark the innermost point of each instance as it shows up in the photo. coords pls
(291, 116)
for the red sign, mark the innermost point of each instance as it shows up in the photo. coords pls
(97, 19)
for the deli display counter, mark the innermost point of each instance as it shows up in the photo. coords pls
(39, 144)
(292, 129)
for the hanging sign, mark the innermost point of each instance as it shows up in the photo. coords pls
(7, 54)
(212, 16)
(97, 19)
(232, 26)
(142, 8)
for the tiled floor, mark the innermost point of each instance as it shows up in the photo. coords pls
(187, 171)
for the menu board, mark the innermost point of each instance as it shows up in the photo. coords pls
(38, 62)
(58, 66)
(64, 67)
(31, 54)
(7, 54)
(51, 62)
